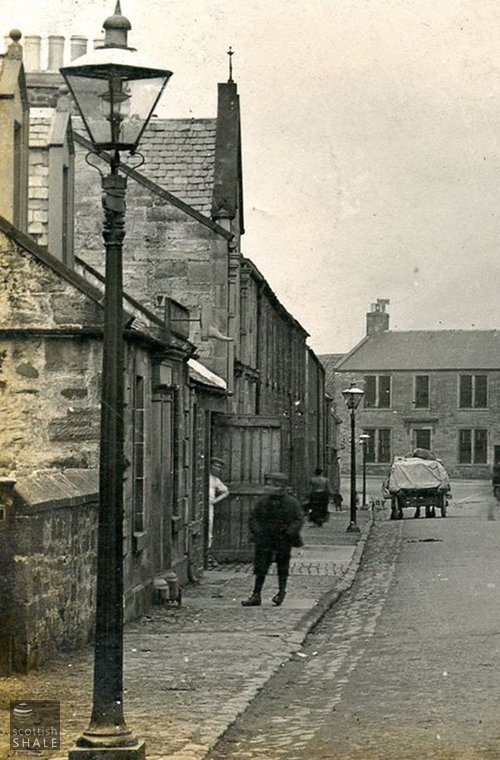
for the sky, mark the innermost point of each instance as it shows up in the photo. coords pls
(371, 153)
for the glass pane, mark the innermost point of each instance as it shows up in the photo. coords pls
(423, 438)
(384, 445)
(481, 391)
(480, 446)
(465, 401)
(370, 390)
(115, 109)
(464, 447)
(384, 391)
(422, 391)
(370, 445)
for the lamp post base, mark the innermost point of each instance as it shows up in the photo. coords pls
(353, 528)
(136, 752)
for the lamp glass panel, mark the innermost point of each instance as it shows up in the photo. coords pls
(115, 109)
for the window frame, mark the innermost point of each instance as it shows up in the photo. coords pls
(139, 454)
(473, 390)
(415, 399)
(377, 404)
(415, 432)
(473, 446)
(374, 445)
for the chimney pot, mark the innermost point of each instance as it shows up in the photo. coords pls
(32, 48)
(56, 52)
(78, 46)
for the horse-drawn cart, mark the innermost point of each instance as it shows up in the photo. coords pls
(415, 483)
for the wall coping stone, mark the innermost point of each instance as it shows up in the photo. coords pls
(44, 491)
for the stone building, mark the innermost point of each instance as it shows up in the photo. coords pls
(433, 389)
(50, 388)
(50, 379)
(227, 372)
(184, 230)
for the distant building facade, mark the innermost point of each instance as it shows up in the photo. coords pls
(438, 390)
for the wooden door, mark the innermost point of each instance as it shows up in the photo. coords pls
(250, 446)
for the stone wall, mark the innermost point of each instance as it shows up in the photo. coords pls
(52, 535)
(167, 253)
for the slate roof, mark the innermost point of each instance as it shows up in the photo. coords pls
(329, 362)
(425, 350)
(179, 156)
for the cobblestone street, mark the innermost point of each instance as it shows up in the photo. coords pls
(406, 666)
(190, 671)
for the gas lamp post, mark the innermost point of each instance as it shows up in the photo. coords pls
(352, 397)
(115, 90)
(363, 439)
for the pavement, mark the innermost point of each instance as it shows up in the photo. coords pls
(190, 671)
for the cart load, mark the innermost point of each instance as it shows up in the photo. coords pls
(417, 482)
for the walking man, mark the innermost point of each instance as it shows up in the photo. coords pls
(275, 524)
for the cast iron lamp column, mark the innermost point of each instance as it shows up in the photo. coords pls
(363, 439)
(116, 92)
(352, 397)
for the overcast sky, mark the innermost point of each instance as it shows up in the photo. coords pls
(370, 144)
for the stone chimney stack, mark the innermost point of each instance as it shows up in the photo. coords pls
(32, 48)
(78, 46)
(377, 319)
(56, 52)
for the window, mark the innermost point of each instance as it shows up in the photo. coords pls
(473, 391)
(421, 392)
(139, 455)
(422, 438)
(378, 449)
(378, 391)
(472, 446)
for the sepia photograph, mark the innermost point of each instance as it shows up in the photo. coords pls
(250, 380)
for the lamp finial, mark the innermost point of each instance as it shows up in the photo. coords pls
(116, 28)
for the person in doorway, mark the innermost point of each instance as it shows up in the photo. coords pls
(337, 500)
(275, 525)
(218, 492)
(319, 497)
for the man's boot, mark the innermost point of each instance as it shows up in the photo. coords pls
(278, 598)
(253, 601)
